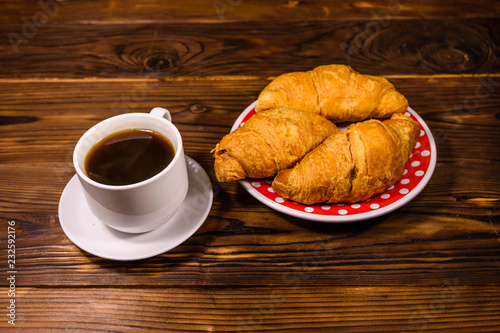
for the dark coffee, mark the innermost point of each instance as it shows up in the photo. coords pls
(129, 156)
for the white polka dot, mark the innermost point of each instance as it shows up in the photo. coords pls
(425, 153)
(385, 196)
(419, 173)
(422, 132)
(417, 145)
(279, 200)
(391, 187)
(255, 184)
(408, 114)
(374, 206)
(415, 163)
(406, 171)
(355, 206)
(340, 204)
(342, 211)
(269, 181)
(270, 189)
(243, 123)
(405, 181)
(326, 207)
(404, 191)
(309, 209)
(411, 155)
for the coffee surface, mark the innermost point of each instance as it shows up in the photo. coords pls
(128, 157)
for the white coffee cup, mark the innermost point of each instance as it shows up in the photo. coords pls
(143, 206)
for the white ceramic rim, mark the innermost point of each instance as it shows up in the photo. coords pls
(179, 151)
(352, 217)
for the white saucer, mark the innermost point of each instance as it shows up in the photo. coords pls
(92, 235)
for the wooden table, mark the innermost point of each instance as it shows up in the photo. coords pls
(432, 265)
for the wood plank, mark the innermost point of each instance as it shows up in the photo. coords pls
(169, 50)
(449, 307)
(125, 12)
(238, 244)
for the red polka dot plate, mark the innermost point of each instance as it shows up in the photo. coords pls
(418, 171)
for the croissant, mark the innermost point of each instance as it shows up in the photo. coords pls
(269, 142)
(335, 91)
(353, 165)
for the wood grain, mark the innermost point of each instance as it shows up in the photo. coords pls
(304, 309)
(430, 266)
(154, 12)
(239, 247)
(265, 49)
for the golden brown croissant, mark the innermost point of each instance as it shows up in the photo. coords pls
(334, 91)
(269, 142)
(352, 165)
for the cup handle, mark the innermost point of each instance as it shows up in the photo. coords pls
(162, 113)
